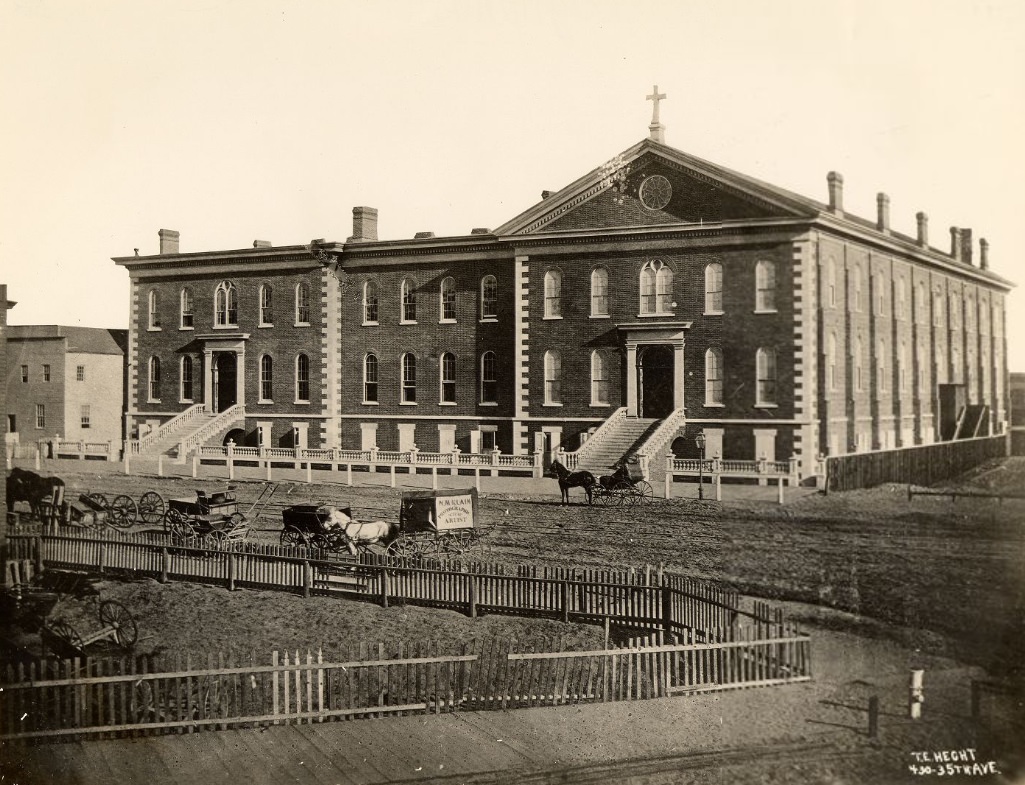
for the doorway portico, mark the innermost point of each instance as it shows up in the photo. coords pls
(224, 378)
(654, 367)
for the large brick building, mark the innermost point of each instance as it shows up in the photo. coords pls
(657, 284)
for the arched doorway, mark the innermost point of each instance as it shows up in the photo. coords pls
(225, 380)
(655, 374)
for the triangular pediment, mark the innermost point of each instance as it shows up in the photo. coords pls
(655, 185)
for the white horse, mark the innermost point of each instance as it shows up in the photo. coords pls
(360, 535)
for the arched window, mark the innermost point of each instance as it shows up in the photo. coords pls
(765, 368)
(599, 292)
(408, 378)
(831, 361)
(186, 308)
(266, 305)
(448, 300)
(266, 378)
(830, 278)
(370, 378)
(599, 378)
(408, 301)
(186, 379)
(553, 378)
(489, 297)
(225, 307)
(713, 376)
(488, 378)
(302, 304)
(154, 378)
(881, 365)
(370, 303)
(765, 286)
(713, 288)
(302, 378)
(154, 310)
(553, 294)
(656, 288)
(448, 377)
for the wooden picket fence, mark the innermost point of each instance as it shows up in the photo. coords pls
(142, 696)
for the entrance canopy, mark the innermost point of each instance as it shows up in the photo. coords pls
(653, 388)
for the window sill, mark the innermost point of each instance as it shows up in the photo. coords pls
(301, 324)
(766, 405)
(447, 403)
(371, 324)
(264, 326)
(185, 400)
(550, 318)
(447, 321)
(407, 403)
(766, 310)
(406, 321)
(154, 330)
(301, 403)
(152, 400)
(714, 313)
(601, 405)
(656, 314)
(488, 403)
(371, 403)
(184, 328)
(600, 316)
(264, 402)
(225, 326)
(715, 405)
(489, 320)
(552, 405)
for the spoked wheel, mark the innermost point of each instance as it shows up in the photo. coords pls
(182, 533)
(643, 493)
(113, 614)
(151, 507)
(609, 498)
(172, 517)
(217, 540)
(293, 538)
(406, 547)
(99, 500)
(456, 542)
(123, 512)
(66, 632)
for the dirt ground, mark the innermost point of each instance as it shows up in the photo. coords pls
(883, 583)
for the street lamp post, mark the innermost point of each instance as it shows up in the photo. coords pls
(700, 441)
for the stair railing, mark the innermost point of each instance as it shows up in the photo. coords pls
(230, 415)
(173, 425)
(595, 440)
(653, 448)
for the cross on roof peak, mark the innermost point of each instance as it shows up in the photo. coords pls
(656, 128)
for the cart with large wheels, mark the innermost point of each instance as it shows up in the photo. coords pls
(436, 523)
(310, 526)
(624, 487)
(116, 624)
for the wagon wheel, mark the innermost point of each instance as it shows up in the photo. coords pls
(642, 492)
(456, 542)
(151, 507)
(123, 512)
(609, 498)
(172, 517)
(405, 547)
(336, 541)
(66, 632)
(182, 533)
(293, 538)
(114, 614)
(218, 539)
(99, 499)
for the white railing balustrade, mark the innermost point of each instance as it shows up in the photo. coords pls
(656, 444)
(596, 439)
(228, 417)
(173, 425)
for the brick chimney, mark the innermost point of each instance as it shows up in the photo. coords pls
(983, 253)
(883, 213)
(168, 241)
(955, 243)
(423, 235)
(835, 180)
(966, 246)
(923, 229)
(261, 244)
(364, 224)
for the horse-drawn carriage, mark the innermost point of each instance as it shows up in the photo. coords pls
(211, 520)
(625, 486)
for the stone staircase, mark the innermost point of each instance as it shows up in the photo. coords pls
(197, 429)
(167, 444)
(619, 441)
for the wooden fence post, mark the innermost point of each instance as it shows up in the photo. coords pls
(103, 556)
(307, 578)
(309, 471)
(348, 474)
(384, 587)
(165, 564)
(232, 569)
(473, 596)
(39, 554)
(392, 471)
(565, 601)
(667, 609)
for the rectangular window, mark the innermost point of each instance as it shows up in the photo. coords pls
(80, 373)
(448, 378)
(370, 379)
(46, 373)
(40, 416)
(408, 380)
(24, 374)
(488, 440)
(85, 415)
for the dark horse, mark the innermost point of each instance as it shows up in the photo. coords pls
(568, 479)
(41, 493)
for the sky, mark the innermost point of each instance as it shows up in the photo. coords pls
(236, 121)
